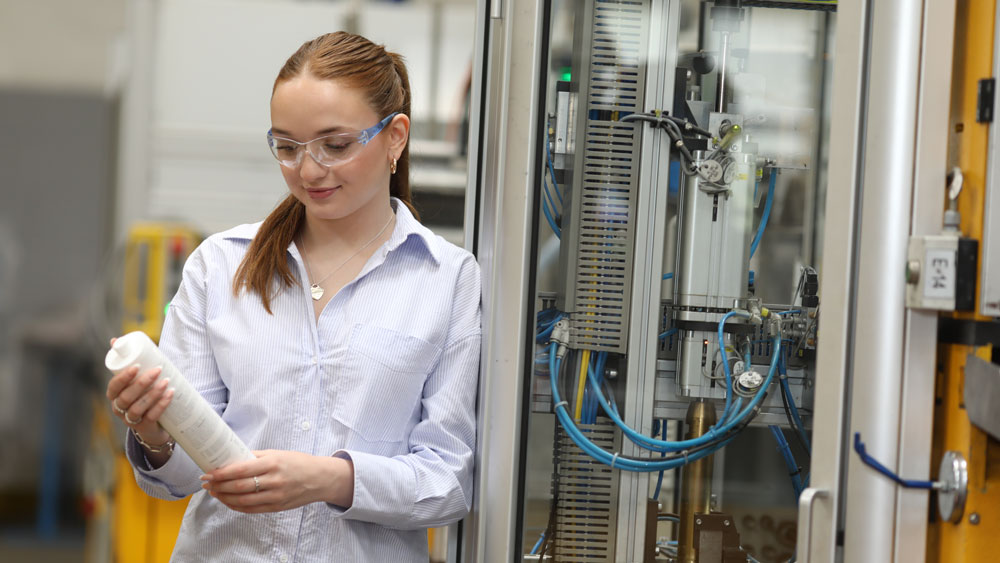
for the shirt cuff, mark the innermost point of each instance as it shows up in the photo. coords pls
(171, 480)
(385, 490)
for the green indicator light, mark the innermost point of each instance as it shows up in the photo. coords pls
(165, 308)
(567, 73)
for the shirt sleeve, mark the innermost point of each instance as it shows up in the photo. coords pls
(184, 340)
(432, 484)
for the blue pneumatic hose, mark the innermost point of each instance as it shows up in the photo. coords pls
(767, 212)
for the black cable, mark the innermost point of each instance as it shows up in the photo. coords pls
(688, 126)
(678, 139)
(549, 527)
(791, 5)
(670, 125)
(567, 389)
(658, 120)
(791, 420)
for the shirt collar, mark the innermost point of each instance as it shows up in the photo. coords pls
(406, 226)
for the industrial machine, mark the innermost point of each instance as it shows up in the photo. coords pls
(669, 193)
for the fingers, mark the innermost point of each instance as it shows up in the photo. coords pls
(138, 408)
(254, 476)
(132, 386)
(240, 486)
(236, 471)
(139, 399)
(120, 381)
(244, 495)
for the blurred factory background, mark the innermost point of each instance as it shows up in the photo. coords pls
(133, 129)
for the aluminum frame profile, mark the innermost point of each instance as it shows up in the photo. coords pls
(937, 39)
(989, 282)
(508, 119)
(650, 235)
(893, 363)
(819, 503)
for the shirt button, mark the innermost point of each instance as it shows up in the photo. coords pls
(283, 559)
(315, 360)
(306, 425)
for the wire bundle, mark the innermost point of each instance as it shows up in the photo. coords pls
(673, 127)
(552, 212)
(734, 419)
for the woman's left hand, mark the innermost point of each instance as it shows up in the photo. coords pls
(281, 480)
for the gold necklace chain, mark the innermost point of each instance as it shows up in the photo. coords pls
(315, 288)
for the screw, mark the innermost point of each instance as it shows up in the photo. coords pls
(726, 522)
(974, 519)
(698, 521)
(912, 271)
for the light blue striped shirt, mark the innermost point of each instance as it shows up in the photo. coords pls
(386, 377)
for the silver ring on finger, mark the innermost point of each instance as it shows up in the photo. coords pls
(256, 484)
(114, 405)
(130, 421)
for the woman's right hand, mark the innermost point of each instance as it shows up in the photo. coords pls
(139, 401)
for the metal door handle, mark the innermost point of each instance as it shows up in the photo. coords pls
(805, 520)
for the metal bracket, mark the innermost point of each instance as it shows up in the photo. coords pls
(982, 394)
(984, 100)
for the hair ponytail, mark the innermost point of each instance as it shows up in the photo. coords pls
(267, 253)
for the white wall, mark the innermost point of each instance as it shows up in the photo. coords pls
(59, 44)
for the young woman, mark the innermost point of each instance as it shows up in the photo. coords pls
(339, 338)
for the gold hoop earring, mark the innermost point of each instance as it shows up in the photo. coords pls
(392, 166)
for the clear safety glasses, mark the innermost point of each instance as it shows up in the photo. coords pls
(326, 150)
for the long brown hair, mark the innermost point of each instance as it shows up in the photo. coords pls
(357, 63)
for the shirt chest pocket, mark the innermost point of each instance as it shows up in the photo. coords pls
(379, 389)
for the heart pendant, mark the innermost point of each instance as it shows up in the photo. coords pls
(317, 292)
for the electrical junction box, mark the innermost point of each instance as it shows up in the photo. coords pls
(932, 272)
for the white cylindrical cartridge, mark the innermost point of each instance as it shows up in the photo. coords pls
(189, 418)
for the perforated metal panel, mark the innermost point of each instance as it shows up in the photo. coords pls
(586, 497)
(599, 232)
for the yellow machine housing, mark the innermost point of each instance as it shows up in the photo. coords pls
(154, 260)
(973, 538)
(144, 529)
